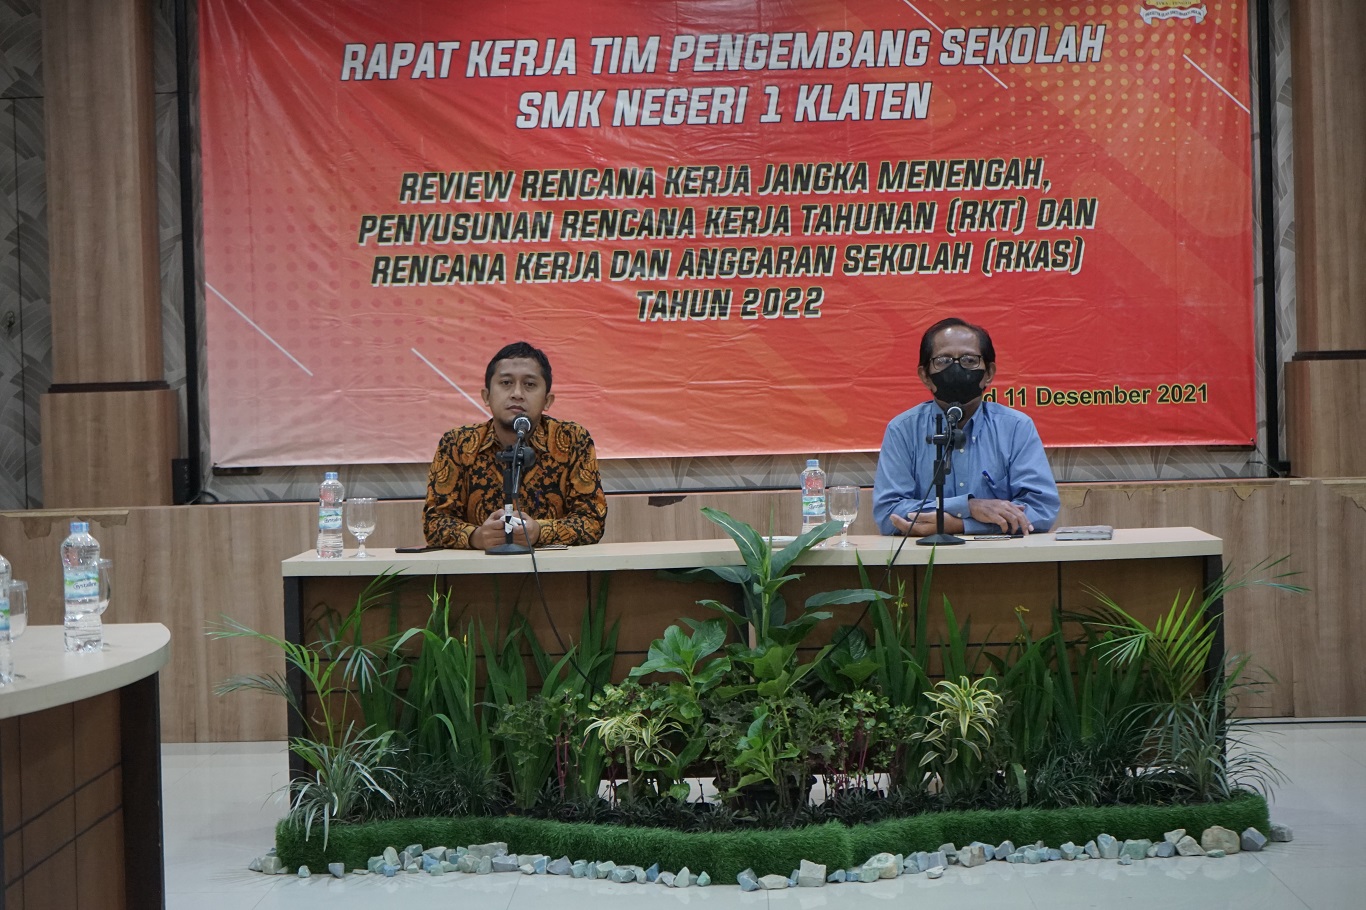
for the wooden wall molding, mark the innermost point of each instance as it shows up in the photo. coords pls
(1326, 425)
(103, 449)
(101, 191)
(1328, 78)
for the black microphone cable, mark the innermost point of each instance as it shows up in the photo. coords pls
(536, 570)
(886, 580)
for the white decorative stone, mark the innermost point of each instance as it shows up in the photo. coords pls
(1136, 849)
(1187, 846)
(1217, 837)
(971, 856)
(885, 864)
(810, 875)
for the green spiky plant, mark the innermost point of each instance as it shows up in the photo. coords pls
(334, 664)
(1187, 715)
(959, 731)
(343, 775)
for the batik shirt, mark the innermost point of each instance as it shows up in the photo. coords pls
(562, 490)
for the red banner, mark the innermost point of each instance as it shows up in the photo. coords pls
(726, 222)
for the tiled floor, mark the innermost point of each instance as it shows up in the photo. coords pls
(220, 812)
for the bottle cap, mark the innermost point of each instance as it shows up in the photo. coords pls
(813, 462)
(330, 475)
(80, 527)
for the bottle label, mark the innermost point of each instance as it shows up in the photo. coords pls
(81, 583)
(4, 612)
(813, 506)
(329, 518)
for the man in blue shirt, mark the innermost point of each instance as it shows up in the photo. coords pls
(1000, 482)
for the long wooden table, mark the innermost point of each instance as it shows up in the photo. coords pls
(991, 581)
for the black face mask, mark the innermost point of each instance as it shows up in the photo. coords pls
(957, 385)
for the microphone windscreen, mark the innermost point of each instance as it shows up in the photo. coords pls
(955, 414)
(521, 424)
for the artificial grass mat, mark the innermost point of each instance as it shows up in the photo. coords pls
(725, 855)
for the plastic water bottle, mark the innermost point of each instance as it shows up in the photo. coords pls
(6, 653)
(330, 498)
(6, 576)
(81, 589)
(813, 495)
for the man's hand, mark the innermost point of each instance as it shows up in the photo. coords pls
(1008, 516)
(525, 530)
(926, 523)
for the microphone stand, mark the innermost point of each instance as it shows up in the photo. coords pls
(507, 547)
(943, 463)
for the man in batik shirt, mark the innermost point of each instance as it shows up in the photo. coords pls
(560, 500)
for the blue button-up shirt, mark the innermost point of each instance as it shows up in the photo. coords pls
(1002, 457)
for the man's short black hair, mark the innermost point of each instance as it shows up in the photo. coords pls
(519, 350)
(983, 340)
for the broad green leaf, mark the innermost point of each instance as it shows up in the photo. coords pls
(848, 596)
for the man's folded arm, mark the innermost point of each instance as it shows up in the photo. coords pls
(585, 504)
(441, 523)
(1032, 483)
(445, 530)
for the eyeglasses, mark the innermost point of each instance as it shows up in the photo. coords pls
(966, 361)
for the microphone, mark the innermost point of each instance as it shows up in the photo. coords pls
(512, 476)
(522, 425)
(956, 434)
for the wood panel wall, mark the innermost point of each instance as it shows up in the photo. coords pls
(109, 421)
(1326, 399)
(109, 448)
(1325, 404)
(101, 191)
(188, 566)
(1329, 85)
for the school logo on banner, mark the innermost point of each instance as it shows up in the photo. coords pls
(1153, 10)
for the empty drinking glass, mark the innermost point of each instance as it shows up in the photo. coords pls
(360, 520)
(12, 625)
(843, 505)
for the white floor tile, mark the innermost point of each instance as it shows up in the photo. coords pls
(409, 892)
(1335, 888)
(220, 814)
(1194, 882)
(534, 892)
(200, 901)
